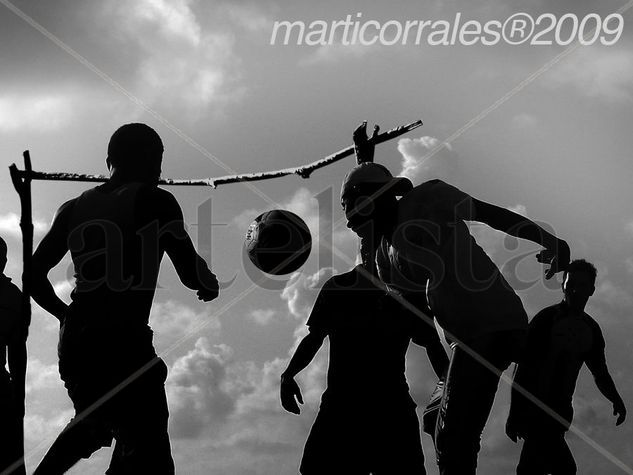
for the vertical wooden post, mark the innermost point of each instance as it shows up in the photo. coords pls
(22, 184)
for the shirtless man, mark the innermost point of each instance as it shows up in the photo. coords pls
(13, 332)
(117, 234)
(561, 338)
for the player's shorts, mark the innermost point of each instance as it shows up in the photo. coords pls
(117, 386)
(379, 439)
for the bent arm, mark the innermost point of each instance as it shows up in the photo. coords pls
(48, 254)
(305, 353)
(514, 224)
(598, 367)
(191, 268)
(521, 227)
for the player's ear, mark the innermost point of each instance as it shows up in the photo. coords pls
(108, 163)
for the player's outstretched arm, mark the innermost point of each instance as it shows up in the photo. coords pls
(48, 254)
(556, 252)
(289, 390)
(598, 367)
(191, 268)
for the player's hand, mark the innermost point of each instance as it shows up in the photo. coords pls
(290, 394)
(557, 259)
(210, 290)
(364, 146)
(620, 412)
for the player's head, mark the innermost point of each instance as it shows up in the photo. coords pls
(368, 196)
(579, 283)
(3, 254)
(136, 151)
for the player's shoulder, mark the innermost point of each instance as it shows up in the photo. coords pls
(342, 280)
(9, 287)
(546, 314)
(591, 322)
(66, 207)
(156, 192)
(157, 199)
(11, 294)
(433, 191)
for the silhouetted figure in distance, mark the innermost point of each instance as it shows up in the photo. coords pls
(117, 234)
(423, 246)
(560, 339)
(13, 333)
(367, 421)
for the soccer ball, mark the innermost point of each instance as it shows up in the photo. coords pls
(278, 242)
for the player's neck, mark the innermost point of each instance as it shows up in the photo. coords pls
(574, 309)
(119, 177)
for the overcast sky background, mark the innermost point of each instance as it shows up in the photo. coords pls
(558, 151)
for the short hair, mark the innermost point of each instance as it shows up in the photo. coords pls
(581, 265)
(134, 145)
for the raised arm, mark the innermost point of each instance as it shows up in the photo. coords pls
(48, 254)
(597, 364)
(191, 268)
(556, 252)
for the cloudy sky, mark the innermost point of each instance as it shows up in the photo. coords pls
(538, 129)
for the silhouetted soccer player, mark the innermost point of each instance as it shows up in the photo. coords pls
(424, 246)
(367, 421)
(13, 332)
(560, 339)
(117, 234)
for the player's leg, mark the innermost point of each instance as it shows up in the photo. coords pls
(468, 397)
(337, 442)
(534, 456)
(11, 437)
(80, 439)
(399, 445)
(563, 462)
(140, 420)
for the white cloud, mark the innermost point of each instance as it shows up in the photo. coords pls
(38, 427)
(599, 72)
(42, 376)
(172, 320)
(35, 112)
(523, 121)
(10, 224)
(196, 393)
(183, 63)
(262, 317)
(613, 295)
(249, 17)
(629, 264)
(63, 288)
(418, 167)
(301, 291)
